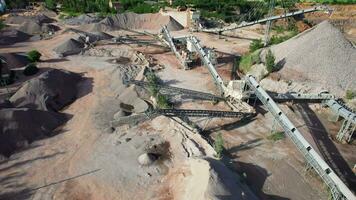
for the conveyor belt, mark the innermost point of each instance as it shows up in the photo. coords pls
(203, 55)
(338, 189)
(201, 113)
(245, 24)
(169, 90)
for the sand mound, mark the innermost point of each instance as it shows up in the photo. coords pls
(82, 19)
(69, 47)
(51, 90)
(14, 60)
(8, 37)
(321, 54)
(134, 21)
(20, 126)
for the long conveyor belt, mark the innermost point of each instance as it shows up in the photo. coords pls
(170, 90)
(202, 113)
(245, 24)
(338, 189)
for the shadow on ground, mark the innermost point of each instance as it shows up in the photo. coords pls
(327, 147)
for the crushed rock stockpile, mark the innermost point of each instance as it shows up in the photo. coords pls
(134, 21)
(33, 25)
(9, 37)
(69, 47)
(83, 19)
(17, 19)
(20, 126)
(322, 55)
(50, 91)
(14, 60)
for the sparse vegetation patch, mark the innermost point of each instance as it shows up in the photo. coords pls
(275, 136)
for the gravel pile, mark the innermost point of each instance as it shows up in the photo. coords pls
(83, 19)
(9, 37)
(31, 113)
(21, 126)
(33, 25)
(50, 91)
(69, 47)
(134, 21)
(17, 19)
(321, 55)
(14, 60)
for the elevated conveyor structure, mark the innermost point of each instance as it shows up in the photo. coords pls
(338, 189)
(349, 124)
(204, 57)
(169, 90)
(201, 113)
(169, 40)
(272, 18)
(307, 97)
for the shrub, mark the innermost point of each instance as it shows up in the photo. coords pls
(248, 60)
(350, 94)
(270, 61)
(31, 69)
(2, 24)
(50, 4)
(34, 56)
(275, 136)
(256, 44)
(162, 101)
(219, 145)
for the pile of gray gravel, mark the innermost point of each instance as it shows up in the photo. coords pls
(134, 21)
(69, 47)
(33, 25)
(83, 19)
(9, 37)
(50, 91)
(321, 55)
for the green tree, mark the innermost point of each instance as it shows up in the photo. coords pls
(50, 4)
(219, 145)
(34, 56)
(270, 61)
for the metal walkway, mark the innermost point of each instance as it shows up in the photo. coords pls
(169, 90)
(338, 189)
(245, 24)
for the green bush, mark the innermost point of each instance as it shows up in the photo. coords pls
(34, 56)
(270, 61)
(256, 44)
(275, 136)
(248, 60)
(162, 101)
(279, 39)
(350, 94)
(30, 70)
(2, 24)
(50, 4)
(219, 145)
